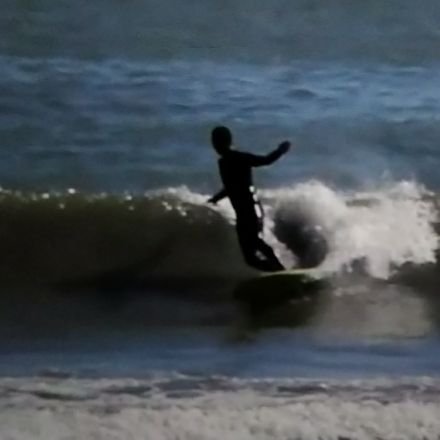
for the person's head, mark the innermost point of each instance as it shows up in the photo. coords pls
(221, 138)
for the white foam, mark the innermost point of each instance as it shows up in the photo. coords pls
(384, 228)
(124, 408)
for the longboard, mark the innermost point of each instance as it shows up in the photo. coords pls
(275, 288)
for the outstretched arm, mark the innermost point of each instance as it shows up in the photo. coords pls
(217, 197)
(259, 161)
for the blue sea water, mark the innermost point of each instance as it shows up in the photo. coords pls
(118, 279)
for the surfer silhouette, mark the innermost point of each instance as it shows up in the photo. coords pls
(236, 174)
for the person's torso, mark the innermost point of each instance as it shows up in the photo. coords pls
(236, 175)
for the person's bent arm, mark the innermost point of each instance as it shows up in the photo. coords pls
(260, 161)
(217, 197)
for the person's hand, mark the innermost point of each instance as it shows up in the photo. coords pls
(284, 147)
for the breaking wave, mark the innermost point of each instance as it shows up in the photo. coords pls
(173, 234)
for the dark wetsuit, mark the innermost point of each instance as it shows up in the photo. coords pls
(236, 173)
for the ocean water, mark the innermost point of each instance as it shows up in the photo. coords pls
(117, 310)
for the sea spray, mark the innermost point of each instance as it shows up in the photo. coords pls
(381, 229)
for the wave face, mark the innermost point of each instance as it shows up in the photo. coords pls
(172, 235)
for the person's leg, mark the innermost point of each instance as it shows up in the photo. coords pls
(271, 259)
(252, 246)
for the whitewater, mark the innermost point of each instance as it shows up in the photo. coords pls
(212, 408)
